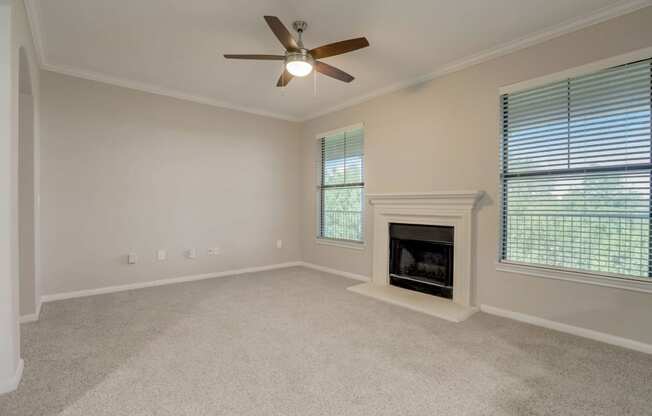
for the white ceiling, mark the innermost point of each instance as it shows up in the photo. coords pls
(175, 47)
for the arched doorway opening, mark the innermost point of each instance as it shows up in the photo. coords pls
(26, 191)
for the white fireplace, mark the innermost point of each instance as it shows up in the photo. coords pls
(450, 209)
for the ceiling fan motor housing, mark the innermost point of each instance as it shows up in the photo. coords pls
(301, 55)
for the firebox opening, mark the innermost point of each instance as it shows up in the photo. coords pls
(421, 258)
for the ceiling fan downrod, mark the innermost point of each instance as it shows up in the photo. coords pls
(300, 26)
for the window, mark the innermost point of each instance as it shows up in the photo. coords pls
(341, 187)
(575, 173)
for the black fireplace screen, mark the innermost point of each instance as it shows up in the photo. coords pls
(421, 258)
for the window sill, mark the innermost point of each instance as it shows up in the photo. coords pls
(577, 277)
(343, 244)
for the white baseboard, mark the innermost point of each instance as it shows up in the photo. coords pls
(7, 386)
(162, 282)
(32, 317)
(25, 319)
(334, 271)
(558, 326)
(569, 329)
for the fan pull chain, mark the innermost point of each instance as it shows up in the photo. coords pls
(283, 80)
(315, 81)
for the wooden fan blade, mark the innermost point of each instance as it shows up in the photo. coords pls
(284, 79)
(339, 48)
(333, 72)
(258, 57)
(282, 33)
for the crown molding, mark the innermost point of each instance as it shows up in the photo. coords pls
(34, 19)
(599, 16)
(155, 89)
(610, 12)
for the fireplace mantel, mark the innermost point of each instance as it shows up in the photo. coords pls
(447, 208)
(460, 199)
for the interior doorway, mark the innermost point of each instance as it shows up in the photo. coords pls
(26, 192)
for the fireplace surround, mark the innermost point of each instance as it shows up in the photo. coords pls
(453, 209)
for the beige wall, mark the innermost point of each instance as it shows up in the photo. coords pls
(444, 135)
(124, 171)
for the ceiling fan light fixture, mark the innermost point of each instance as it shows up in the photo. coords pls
(299, 64)
(299, 61)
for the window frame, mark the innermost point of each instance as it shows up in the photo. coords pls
(631, 283)
(326, 241)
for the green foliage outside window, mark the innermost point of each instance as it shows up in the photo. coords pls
(342, 186)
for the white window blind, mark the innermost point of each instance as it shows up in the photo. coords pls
(575, 171)
(341, 188)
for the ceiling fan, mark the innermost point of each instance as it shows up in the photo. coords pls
(300, 61)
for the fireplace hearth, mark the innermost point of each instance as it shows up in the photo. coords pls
(421, 258)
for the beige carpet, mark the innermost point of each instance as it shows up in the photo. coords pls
(295, 342)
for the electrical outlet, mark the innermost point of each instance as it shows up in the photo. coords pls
(132, 258)
(161, 255)
(279, 243)
(215, 251)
